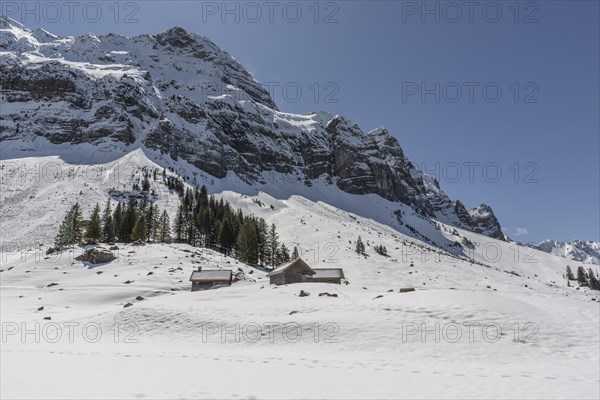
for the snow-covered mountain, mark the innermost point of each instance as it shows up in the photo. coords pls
(587, 252)
(82, 117)
(179, 94)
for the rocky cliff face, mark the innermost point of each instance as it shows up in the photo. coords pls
(180, 94)
(480, 219)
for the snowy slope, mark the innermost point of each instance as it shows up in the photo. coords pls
(183, 349)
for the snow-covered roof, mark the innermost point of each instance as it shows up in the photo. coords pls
(328, 273)
(297, 262)
(215, 275)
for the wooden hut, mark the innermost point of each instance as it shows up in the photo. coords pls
(292, 272)
(297, 271)
(327, 275)
(206, 279)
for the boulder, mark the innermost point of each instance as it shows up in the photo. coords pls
(96, 256)
(328, 294)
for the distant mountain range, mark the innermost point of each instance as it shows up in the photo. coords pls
(587, 252)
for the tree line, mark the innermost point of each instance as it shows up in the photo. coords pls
(201, 220)
(131, 222)
(583, 278)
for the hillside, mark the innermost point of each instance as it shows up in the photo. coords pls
(359, 331)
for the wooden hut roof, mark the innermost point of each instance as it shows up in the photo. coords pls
(298, 262)
(208, 275)
(328, 273)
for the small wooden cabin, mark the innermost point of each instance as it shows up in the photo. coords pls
(328, 275)
(297, 271)
(292, 272)
(206, 279)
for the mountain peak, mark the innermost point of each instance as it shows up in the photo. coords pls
(177, 37)
(7, 23)
(187, 98)
(379, 131)
(481, 210)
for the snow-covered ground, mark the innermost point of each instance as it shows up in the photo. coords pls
(497, 322)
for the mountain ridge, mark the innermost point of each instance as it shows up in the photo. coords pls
(180, 94)
(584, 251)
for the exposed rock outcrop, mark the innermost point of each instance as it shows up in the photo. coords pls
(181, 95)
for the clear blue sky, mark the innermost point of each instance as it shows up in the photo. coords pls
(542, 133)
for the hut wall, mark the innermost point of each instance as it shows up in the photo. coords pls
(278, 279)
(206, 285)
(337, 281)
(293, 275)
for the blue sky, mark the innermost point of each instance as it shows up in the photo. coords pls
(499, 102)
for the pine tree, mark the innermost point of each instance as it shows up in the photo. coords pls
(226, 238)
(247, 242)
(164, 231)
(143, 204)
(129, 219)
(594, 284)
(69, 231)
(146, 183)
(263, 232)
(203, 223)
(295, 253)
(272, 246)
(108, 224)
(202, 199)
(380, 249)
(94, 228)
(65, 234)
(581, 278)
(188, 199)
(77, 223)
(360, 247)
(152, 216)
(284, 254)
(179, 225)
(139, 229)
(570, 276)
(192, 235)
(118, 220)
